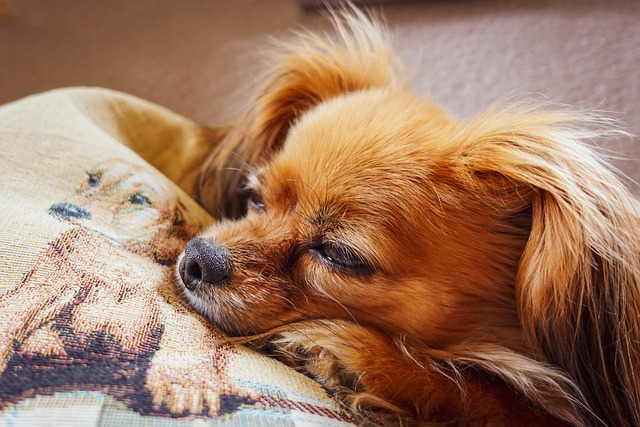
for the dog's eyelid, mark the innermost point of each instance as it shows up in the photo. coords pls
(342, 257)
(255, 200)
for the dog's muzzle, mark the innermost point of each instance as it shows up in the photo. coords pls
(205, 264)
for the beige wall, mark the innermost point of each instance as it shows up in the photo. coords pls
(199, 58)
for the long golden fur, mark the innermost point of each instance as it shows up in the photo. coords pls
(443, 271)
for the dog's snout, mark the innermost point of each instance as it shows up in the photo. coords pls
(69, 211)
(205, 263)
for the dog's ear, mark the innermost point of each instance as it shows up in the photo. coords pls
(577, 289)
(306, 71)
(312, 69)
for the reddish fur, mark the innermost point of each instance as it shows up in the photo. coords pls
(505, 258)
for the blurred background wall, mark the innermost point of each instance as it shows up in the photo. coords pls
(201, 57)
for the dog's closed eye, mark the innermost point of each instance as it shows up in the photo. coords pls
(255, 202)
(341, 257)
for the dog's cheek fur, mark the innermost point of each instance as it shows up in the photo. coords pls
(462, 274)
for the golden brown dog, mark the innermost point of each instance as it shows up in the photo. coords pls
(472, 273)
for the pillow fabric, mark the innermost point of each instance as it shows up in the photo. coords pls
(93, 331)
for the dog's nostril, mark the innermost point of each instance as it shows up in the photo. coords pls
(194, 271)
(190, 272)
(205, 263)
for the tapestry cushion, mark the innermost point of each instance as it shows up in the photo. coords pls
(93, 329)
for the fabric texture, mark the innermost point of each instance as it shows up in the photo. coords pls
(93, 329)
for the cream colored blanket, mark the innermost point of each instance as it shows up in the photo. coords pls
(93, 331)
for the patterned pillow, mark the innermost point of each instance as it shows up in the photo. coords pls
(93, 330)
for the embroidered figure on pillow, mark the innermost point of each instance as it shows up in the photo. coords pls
(98, 310)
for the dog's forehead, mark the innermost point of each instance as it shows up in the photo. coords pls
(363, 147)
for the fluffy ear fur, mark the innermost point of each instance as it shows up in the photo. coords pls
(304, 73)
(577, 288)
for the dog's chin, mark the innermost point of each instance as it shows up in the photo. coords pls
(210, 310)
(226, 323)
(213, 313)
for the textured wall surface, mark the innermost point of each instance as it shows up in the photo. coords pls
(200, 58)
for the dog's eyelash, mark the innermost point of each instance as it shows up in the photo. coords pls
(254, 200)
(341, 257)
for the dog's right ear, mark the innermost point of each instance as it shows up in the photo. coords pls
(578, 282)
(307, 71)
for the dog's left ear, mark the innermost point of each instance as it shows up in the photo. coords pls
(312, 69)
(307, 71)
(578, 283)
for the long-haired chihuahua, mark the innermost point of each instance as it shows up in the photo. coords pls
(435, 271)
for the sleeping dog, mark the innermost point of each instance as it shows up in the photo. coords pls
(457, 272)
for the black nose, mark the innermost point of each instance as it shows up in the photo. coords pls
(205, 263)
(69, 211)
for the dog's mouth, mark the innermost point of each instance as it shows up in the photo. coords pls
(211, 307)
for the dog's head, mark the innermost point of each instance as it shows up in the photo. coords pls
(362, 203)
(129, 207)
(368, 204)
(359, 215)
